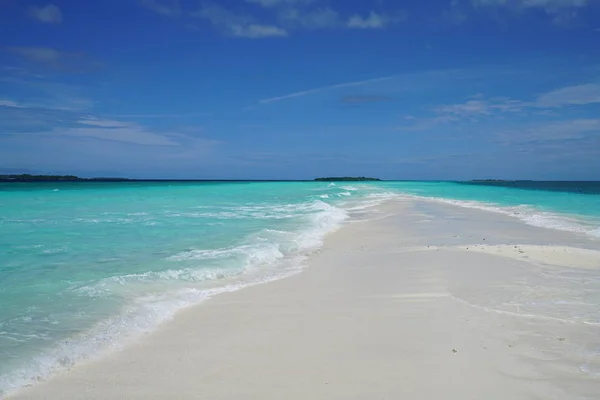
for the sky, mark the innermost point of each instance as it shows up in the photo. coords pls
(296, 89)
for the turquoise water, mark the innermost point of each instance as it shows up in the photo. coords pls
(84, 267)
(567, 210)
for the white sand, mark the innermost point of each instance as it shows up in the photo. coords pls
(561, 256)
(391, 308)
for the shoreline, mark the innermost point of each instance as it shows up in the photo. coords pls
(333, 330)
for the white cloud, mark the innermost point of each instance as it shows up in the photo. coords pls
(278, 3)
(134, 135)
(37, 54)
(553, 3)
(545, 4)
(166, 116)
(56, 102)
(255, 31)
(477, 105)
(104, 123)
(552, 132)
(565, 13)
(237, 25)
(322, 18)
(569, 96)
(50, 14)
(572, 95)
(320, 89)
(55, 59)
(120, 131)
(471, 107)
(372, 21)
(10, 103)
(169, 8)
(289, 14)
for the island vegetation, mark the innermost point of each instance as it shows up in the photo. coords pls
(53, 178)
(73, 178)
(346, 179)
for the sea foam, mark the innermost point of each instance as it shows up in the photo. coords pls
(176, 288)
(525, 213)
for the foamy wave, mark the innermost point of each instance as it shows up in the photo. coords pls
(283, 250)
(141, 317)
(282, 211)
(525, 213)
(373, 200)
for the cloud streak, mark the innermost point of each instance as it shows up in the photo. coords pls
(279, 3)
(577, 95)
(572, 95)
(77, 126)
(289, 14)
(49, 14)
(168, 8)
(48, 95)
(560, 131)
(532, 4)
(322, 18)
(53, 58)
(237, 25)
(360, 99)
(324, 88)
(372, 21)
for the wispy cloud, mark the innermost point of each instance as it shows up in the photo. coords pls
(559, 131)
(426, 124)
(544, 4)
(324, 88)
(11, 103)
(372, 21)
(56, 59)
(572, 95)
(290, 15)
(562, 12)
(278, 3)
(47, 95)
(478, 105)
(165, 116)
(126, 134)
(359, 99)
(75, 125)
(322, 18)
(37, 54)
(169, 8)
(49, 14)
(454, 15)
(103, 123)
(237, 25)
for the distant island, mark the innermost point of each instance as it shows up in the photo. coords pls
(74, 178)
(54, 178)
(346, 179)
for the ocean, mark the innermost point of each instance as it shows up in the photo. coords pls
(87, 266)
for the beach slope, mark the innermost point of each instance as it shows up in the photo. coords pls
(411, 301)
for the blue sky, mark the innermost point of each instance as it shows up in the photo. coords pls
(294, 89)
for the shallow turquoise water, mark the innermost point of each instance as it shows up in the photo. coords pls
(564, 210)
(84, 266)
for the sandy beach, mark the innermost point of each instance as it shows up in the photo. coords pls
(410, 300)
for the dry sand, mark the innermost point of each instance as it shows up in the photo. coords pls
(393, 307)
